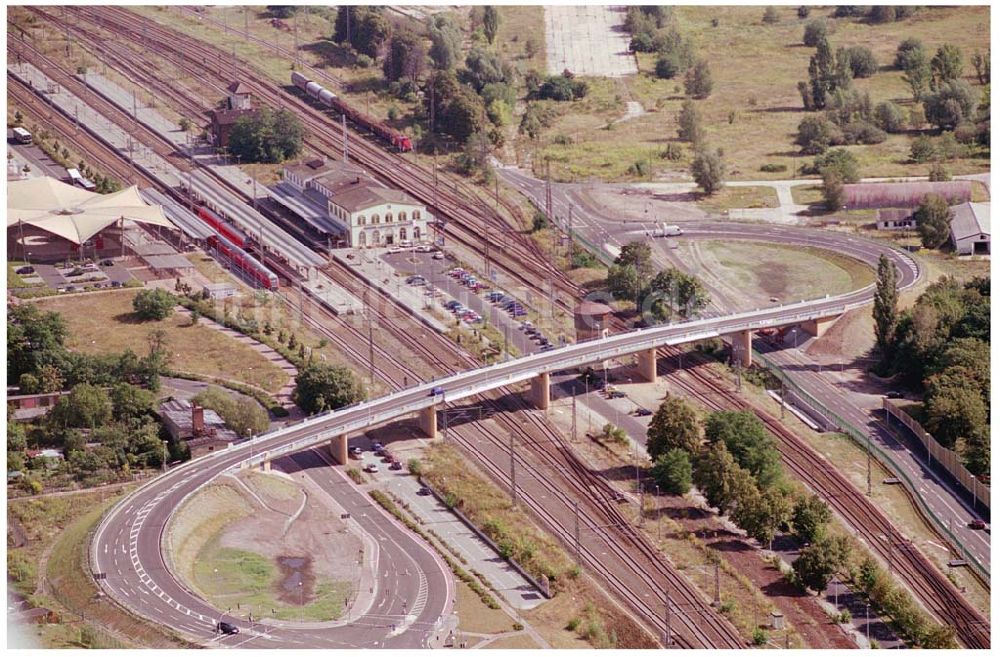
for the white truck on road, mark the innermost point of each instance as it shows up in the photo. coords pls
(665, 231)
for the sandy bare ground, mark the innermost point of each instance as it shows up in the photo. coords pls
(281, 526)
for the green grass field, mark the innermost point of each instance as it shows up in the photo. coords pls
(755, 106)
(239, 579)
(761, 271)
(103, 323)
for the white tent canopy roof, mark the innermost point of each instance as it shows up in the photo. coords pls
(73, 213)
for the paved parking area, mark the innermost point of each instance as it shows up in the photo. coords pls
(517, 591)
(588, 40)
(436, 273)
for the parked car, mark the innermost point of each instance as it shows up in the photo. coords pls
(424, 248)
(395, 249)
(371, 467)
(518, 311)
(547, 347)
(894, 394)
(107, 262)
(616, 394)
(438, 255)
(494, 296)
(23, 271)
(437, 390)
(116, 283)
(356, 452)
(977, 524)
(451, 305)
(395, 465)
(423, 490)
(643, 412)
(406, 244)
(227, 628)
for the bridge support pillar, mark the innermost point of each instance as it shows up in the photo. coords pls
(743, 348)
(817, 327)
(338, 448)
(428, 420)
(539, 395)
(267, 462)
(647, 365)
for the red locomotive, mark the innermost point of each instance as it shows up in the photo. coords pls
(394, 137)
(244, 261)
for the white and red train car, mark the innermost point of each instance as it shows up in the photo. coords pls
(249, 265)
(390, 135)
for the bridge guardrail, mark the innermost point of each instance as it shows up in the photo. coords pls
(887, 461)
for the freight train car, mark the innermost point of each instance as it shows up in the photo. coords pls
(228, 231)
(257, 272)
(387, 134)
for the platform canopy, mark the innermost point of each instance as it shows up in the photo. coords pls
(73, 213)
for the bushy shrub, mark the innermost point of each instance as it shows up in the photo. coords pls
(814, 32)
(888, 116)
(816, 134)
(922, 149)
(863, 132)
(771, 167)
(667, 67)
(862, 62)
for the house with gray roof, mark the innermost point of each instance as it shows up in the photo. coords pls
(970, 229)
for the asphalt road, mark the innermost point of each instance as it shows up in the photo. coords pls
(412, 598)
(610, 234)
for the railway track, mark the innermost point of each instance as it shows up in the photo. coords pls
(903, 558)
(928, 590)
(470, 218)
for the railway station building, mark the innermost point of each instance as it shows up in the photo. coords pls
(370, 214)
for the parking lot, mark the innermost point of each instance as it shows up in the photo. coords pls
(106, 273)
(444, 288)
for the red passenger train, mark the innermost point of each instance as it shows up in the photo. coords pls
(247, 263)
(391, 136)
(227, 230)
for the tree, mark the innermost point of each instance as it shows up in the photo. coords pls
(939, 173)
(946, 65)
(810, 515)
(708, 171)
(698, 80)
(833, 190)
(861, 61)
(405, 57)
(624, 282)
(155, 304)
(674, 292)
(888, 116)
(491, 22)
(446, 42)
(818, 563)
(672, 471)
(815, 31)
(483, 66)
(456, 109)
(131, 402)
(979, 62)
(747, 440)
(561, 88)
(954, 408)
(841, 161)
(689, 127)
(761, 515)
(882, 14)
(933, 218)
(816, 134)
(667, 67)
(724, 483)
(675, 425)
(952, 103)
(364, 28)
(85, 406)
(917, 74)
(922, 149)
(909, 52)
(34, 338)
(281, 11)
(884, 310)
(320, 387)
(827, 73)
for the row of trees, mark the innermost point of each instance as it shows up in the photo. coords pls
(942, 346)
(732, 460)
(666, 295)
